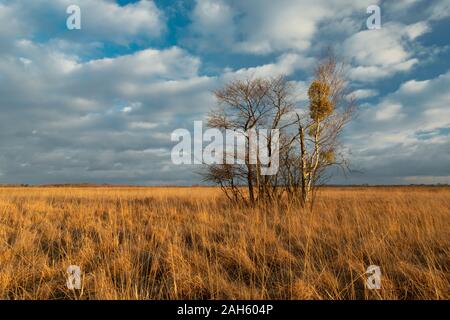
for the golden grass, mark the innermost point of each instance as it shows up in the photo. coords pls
(174, 243)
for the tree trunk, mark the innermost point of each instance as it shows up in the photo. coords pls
(303, 170)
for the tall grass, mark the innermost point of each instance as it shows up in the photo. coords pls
(175, 243)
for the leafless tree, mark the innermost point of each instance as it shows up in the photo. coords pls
(308, 137)
(245, 105)
(330, 109)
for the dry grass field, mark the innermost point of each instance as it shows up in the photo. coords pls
(174, 243)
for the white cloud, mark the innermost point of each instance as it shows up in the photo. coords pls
(417, 29)
(439, 10)
(143, 125)
(101, 20)
(397, 137)
(381, 53)
(414, 86)
(423, 104)
(168, 64)
(86, 117)
(212, 24)
(388, 112)
(363, 93)
(265, 26)
(286, 64)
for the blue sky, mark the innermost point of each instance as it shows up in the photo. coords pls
(98, 104)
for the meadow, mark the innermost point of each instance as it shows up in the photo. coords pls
(190, 243)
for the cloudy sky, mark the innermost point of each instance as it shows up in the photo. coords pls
(98, 104)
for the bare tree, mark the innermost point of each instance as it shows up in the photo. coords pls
(243, 106)
(308, 141)
(330, 109)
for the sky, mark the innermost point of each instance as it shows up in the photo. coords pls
(98, 105)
